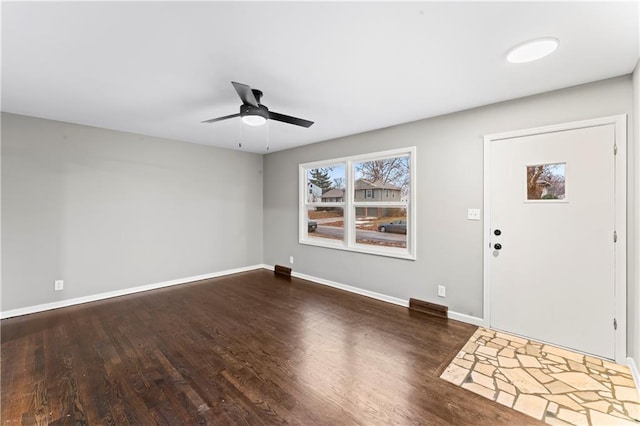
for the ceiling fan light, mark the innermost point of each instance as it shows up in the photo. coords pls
(254, 120)
(532, 50)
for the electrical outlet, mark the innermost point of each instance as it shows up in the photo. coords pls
(291, 260)
(473, 214)
(58, 285)
(442, 291)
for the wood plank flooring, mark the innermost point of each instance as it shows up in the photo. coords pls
(251, 348)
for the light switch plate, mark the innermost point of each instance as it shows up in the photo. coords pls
(473, 214)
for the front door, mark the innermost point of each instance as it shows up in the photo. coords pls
(551, 256)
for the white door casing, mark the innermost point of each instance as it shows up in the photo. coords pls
(559, 277)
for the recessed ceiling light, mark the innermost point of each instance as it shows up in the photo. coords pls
(532, 50)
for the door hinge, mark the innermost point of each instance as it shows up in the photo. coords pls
(615, 324)
(615, 237)
(615, 149)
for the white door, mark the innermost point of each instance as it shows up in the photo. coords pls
(551, 256)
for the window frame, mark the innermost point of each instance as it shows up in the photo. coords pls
(349, 205)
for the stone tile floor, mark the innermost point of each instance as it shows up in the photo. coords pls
(554, 385)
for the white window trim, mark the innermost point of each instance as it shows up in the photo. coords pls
(349, 206)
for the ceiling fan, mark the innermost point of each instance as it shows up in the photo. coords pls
(254, 113)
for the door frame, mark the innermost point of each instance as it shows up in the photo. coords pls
(620, 286)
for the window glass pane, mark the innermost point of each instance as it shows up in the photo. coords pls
(382, 180)
(381, 226)
(326, 184)
(546, 181)
(325, 223)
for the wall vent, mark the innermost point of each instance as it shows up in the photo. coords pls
(428, 308)
(282, 271)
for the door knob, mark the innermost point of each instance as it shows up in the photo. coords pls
(497, 232)
(497, 246)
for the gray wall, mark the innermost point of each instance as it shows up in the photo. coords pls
(107, 210)
(634, 287)
(450, 180)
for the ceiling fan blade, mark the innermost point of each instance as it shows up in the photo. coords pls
(213, 120)
(245, 93)
(288, 119)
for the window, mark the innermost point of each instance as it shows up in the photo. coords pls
(323, 215)
(363, 203)
(546, 182)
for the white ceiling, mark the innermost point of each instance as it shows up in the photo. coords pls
(160, 68)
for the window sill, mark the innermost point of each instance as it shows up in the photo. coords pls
(360, 248)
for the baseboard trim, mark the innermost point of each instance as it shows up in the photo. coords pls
(466, 318)
(107, 295)
(351, 289)
(634, 372)
(378, 296)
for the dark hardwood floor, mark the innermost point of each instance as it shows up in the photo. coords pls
(249, 348)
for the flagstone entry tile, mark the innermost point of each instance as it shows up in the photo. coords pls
(552, 384)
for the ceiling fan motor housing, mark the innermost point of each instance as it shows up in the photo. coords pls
(260, 110)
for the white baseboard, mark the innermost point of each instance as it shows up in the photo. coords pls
(351, 289)
(123, 292)
(634, 372)
(379, 296)
(466, 318)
